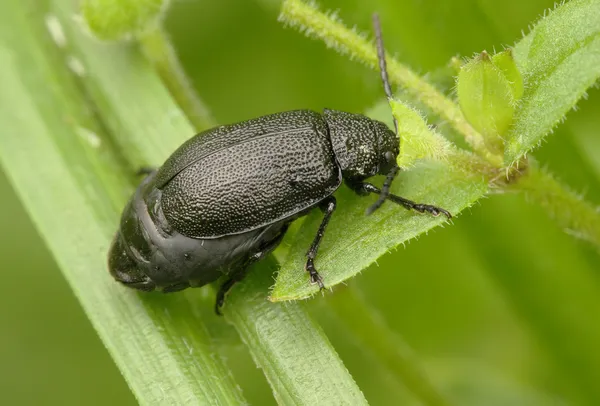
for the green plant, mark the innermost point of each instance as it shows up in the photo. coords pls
(109, 113)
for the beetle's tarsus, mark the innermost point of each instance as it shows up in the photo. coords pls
(315, 278)
(433, 210)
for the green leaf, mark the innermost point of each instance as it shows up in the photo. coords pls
(353, 241)
(559, 59)
(417, 140)
(60, 163)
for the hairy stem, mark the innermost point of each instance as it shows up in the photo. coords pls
(315, 23)
(577, 216)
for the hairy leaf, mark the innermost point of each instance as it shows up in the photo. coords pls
(559, 59)
(354, 241)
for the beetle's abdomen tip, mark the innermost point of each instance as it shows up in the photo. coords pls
(124, 269)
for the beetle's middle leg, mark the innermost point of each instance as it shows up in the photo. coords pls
(328, 207)
(365, 188)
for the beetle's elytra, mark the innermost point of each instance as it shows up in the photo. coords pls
(225, 198)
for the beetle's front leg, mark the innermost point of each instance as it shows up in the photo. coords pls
(365, 188)
(328, 207)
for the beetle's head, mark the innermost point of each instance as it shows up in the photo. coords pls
(388, 147)
(363, 147)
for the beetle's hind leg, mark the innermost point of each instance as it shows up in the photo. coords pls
(145, 171)
(226, 287)
(243, 271)
(328, 207)
(364, 188)
(237, 277)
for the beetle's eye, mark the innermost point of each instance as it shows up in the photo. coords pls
(389, 156)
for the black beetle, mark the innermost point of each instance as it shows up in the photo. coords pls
(225, 198)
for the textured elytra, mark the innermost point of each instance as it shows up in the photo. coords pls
(241, 177)
(147, 254)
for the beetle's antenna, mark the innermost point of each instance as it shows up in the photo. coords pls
(382, 63)
(385, 190)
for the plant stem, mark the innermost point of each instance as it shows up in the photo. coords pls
(578, 217)
(157, 48)
(335, 35)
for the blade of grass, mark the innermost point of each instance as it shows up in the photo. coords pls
(51, 153)
(279, 335)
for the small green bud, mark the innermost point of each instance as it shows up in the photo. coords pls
(119, 19)
(488, 91)
(506, 63)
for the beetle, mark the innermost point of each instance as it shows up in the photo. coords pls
(225, 198)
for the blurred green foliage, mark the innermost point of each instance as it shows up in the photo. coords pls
(500, 308)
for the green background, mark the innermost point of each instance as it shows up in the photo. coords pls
(498, 307)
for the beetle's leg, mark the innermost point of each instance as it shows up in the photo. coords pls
(243, 271)
(328, 207)
(363, 188)
(145, 170)
(225, 287)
